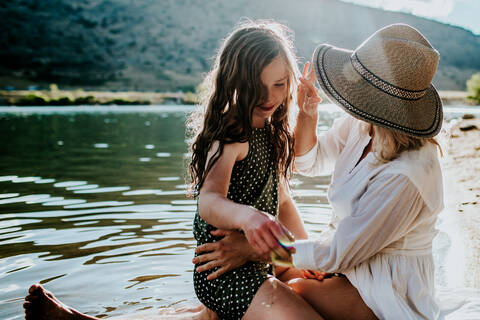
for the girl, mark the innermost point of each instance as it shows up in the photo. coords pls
(241, 157)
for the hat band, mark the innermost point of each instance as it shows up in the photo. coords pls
(384, 85)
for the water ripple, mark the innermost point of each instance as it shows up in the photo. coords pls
(103, 190)
(67, 184)
(8, 195)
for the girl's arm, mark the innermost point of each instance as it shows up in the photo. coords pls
(233, 250)
(261, 229)
(288, 214)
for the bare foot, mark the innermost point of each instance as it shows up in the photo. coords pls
(41, 304)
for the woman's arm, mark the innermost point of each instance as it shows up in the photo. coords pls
(316, 155)
(229, 253)
(389, 209)
(260, 228)
(307, 99)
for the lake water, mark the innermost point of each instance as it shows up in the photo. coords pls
(93, 205)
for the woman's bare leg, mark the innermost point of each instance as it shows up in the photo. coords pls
(275, 300)
(333, 298)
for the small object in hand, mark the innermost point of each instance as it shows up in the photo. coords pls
(283, 256)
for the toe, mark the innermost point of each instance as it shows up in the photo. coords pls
(28, 311)
(31, 298)
(49, 294)
(34, 287)
(29, 315)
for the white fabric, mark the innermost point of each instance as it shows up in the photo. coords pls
(383, 221)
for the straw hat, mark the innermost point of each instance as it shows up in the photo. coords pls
(385, 81)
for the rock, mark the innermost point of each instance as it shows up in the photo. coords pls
(468, 128)
(468, 116)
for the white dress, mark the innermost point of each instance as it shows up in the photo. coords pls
(383, 221)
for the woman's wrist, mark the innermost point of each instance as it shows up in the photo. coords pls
(307, 116)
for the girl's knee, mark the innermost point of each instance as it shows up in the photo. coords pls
(299, 285)
(309, 287)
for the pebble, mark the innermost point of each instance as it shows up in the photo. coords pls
(468, 116)
(468, 128)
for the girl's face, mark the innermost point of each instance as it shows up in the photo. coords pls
(275, 79)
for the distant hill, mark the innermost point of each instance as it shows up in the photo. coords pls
(168, 44)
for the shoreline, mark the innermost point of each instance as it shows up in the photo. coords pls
(461, 167)
(55, 97)
(58, 97)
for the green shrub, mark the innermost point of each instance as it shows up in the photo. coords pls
(88, 100)
(124, 102)
(190, 98)
(31, 100)
(62, 101)
(473, 89)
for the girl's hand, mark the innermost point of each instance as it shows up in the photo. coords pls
(316, 275)
(307, 95)
(228, 253)
(263, 231)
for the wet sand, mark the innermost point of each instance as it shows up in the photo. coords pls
(461, 165)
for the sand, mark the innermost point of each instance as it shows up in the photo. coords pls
(461, 165)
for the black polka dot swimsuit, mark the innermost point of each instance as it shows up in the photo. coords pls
(254, 182)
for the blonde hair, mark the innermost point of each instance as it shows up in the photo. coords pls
(388, 144)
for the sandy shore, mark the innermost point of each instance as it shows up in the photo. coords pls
(461, 164)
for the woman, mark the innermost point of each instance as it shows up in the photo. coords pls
(386, 189)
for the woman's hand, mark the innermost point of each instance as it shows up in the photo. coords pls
(307, 95)
(316, 275)
(228, 253)
(263, 233)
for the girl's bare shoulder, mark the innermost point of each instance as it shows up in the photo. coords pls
(237, 150)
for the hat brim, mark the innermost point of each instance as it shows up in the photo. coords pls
(345, 87)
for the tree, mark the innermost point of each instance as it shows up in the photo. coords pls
(473, 88)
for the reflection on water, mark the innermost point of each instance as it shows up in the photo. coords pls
(93, 204)
(99, 198)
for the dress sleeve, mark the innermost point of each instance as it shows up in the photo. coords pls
(321, 158)
(383, 214)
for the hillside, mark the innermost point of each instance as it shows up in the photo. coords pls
(167, 45)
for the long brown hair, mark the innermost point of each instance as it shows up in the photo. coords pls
(233, 88)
